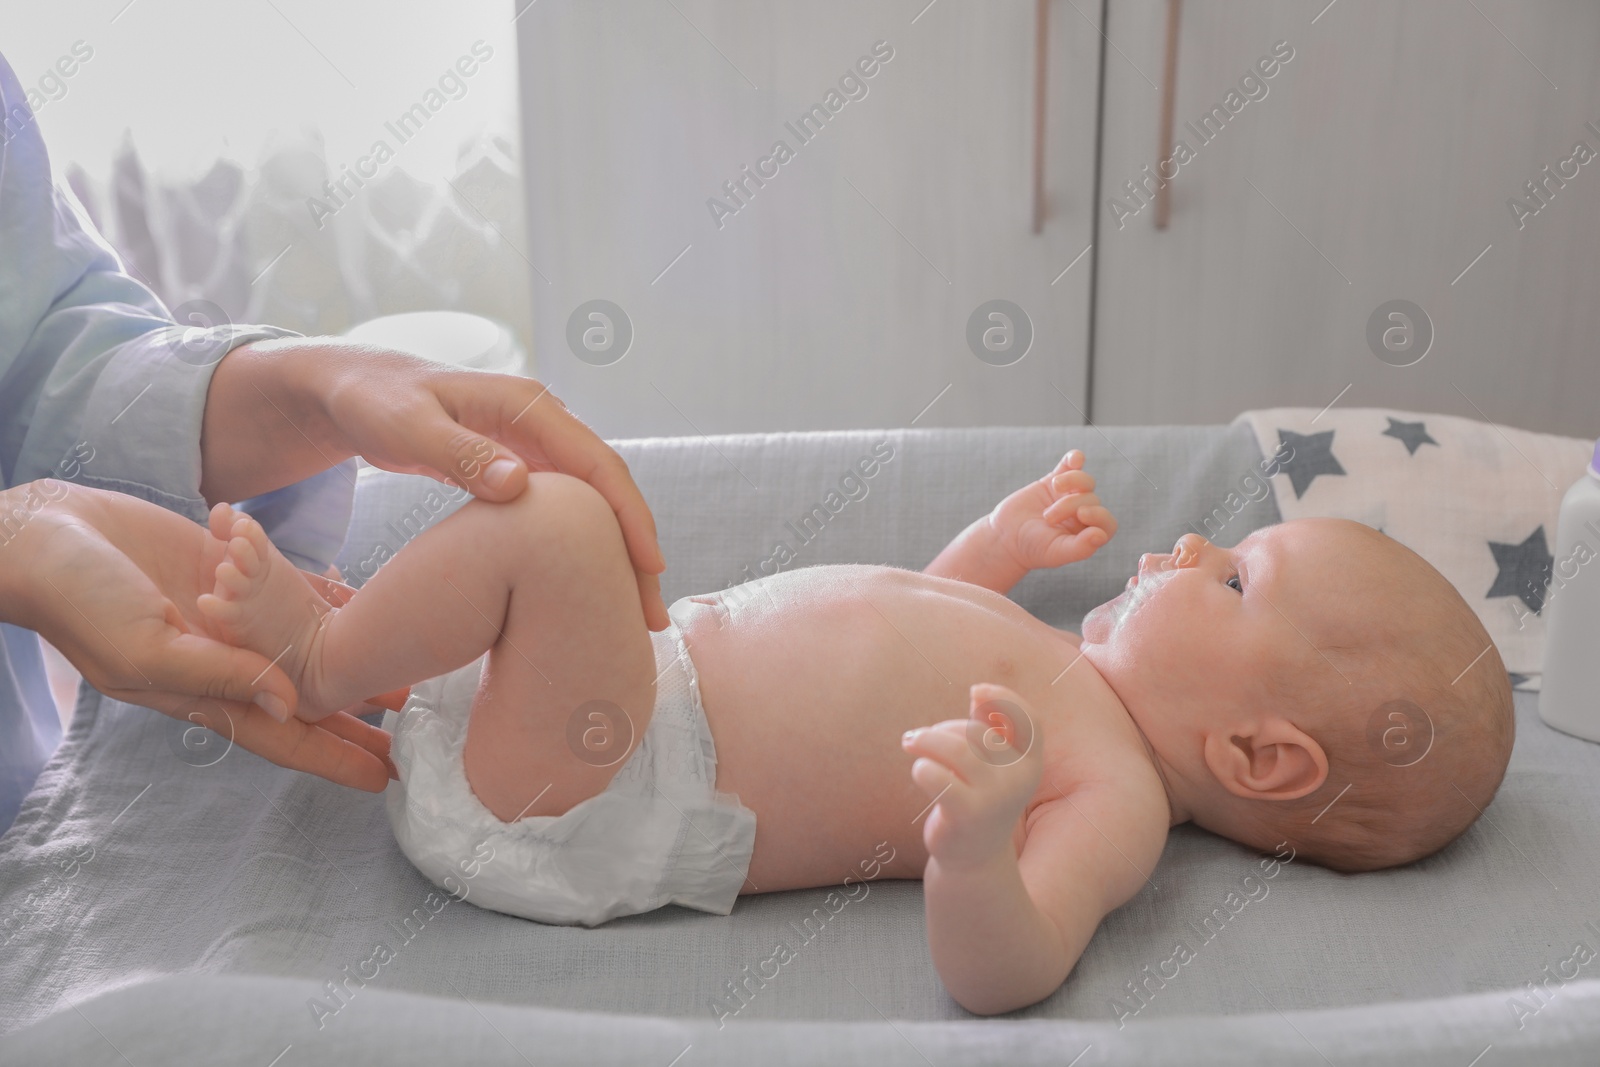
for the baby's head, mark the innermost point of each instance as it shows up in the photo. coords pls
(1318, 683)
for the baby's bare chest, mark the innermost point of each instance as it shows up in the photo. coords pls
(810, 678)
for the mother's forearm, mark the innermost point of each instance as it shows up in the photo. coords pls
(19, 506)
(266, 421)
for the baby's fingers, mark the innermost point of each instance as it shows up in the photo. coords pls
(1072, 461)
(1099, 517)
(957, 803)
(1066, 509)
(1074, 548)
(1001, 724)
(1062, 483)
(937, 782)
(945, 744)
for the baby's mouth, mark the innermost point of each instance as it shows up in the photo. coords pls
(1116, 610)
(1128, 601)
(1134, 595)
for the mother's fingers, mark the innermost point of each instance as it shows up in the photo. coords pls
(363, 734)
(577, 450)
(329, 588)
(340, 748)
(655, 609)
(195, 665)
(527, 420)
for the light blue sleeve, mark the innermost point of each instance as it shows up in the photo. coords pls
(308, 520)
(99, 386)
(30, 729)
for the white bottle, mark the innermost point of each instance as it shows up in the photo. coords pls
(1569, 691)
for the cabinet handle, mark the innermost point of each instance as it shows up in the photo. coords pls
(1169, 88)
(1041, 55)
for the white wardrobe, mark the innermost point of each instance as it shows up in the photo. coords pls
(952, 239)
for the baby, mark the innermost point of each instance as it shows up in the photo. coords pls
(1319, 684)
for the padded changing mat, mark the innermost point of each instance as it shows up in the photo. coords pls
(162, 903)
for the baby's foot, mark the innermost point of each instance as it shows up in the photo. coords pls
(261, 602)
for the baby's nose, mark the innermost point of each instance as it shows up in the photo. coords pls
(1187, 551)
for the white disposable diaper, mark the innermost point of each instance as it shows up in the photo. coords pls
(659, 834)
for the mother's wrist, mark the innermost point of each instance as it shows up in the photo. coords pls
(23, 509)
(267, 420)
(296, 375)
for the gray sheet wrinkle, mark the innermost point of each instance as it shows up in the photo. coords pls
(210, 884)
(243, 1020)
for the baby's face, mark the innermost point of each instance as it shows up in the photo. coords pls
(1201, 629)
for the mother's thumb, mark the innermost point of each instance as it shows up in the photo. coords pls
(479, 465)
(198, 666)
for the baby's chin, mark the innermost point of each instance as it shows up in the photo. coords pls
(1102, 620)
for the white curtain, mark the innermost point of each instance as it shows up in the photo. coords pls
(245, 243)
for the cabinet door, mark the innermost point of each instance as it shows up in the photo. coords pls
(836, 291)
(1377, 167)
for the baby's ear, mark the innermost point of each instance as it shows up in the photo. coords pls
(1271, 759)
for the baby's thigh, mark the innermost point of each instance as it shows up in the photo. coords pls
(574, 662)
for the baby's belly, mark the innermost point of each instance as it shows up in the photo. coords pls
(809, 678)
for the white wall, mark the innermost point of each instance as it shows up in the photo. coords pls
(198, 79)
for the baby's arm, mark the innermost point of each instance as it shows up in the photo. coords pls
(1047, 523)
(1006, 931)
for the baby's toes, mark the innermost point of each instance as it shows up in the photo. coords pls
(256, 537)
(244, 555)
(219, 609)
(232, 583)
(220, 521)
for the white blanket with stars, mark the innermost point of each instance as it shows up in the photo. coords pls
(1477, 500)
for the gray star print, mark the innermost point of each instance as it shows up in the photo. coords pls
(1414, 434)
(1524, 570)
(1313, 455)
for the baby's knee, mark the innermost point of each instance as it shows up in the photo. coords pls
(556, 508)
(553, 495)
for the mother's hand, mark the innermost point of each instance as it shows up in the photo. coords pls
(330, 399)
(111, 581)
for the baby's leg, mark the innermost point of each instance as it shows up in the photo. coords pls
(543, 584)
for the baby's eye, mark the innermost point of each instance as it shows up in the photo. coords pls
(1236, 583)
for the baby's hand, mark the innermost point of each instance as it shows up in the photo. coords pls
(1056, 520)
(979, 773)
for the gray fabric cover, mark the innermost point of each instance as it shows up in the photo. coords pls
(255, 887)
(251, 1021)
